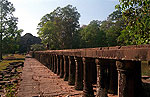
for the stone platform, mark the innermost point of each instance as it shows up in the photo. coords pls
(39, 81)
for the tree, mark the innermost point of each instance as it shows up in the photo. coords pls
(11, 43)
(8, 27)
(59, 28)
(37, 47)
(113, 27)
(136, 14)
(92, 36)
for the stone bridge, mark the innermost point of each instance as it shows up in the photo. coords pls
(115, 70)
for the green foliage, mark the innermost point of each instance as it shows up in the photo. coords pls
(113, 27)
(59, 28)
(9, 33)
(137, 17)
(37, 47)
(92, 36)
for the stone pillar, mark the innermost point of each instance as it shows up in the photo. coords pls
(88, 88)
(66, 68)
(79, 73)
(55, 64)
(48, 61)
(71, 80)
(44, 59)
(101, 87)
(94, 71)
(113, 77)
(52, 61)
(129, 78)
(61, 66)
(58, 64)
(40, 58)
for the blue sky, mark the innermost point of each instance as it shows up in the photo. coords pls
(29, 12)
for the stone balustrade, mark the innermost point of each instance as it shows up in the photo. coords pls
(114, 70)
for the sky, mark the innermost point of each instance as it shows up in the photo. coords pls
(29, 12)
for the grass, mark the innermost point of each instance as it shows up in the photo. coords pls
(5, 63)
(17, 56)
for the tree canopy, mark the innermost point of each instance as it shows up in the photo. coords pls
(129, 24)
(59, 28)
(92, 36)
(9, 32)
(136, 14)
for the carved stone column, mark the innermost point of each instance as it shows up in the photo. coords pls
(52, 63)
(61, 66)
(88, 88)
(58, 64)
(46, 60)
(55, 64)
(101, 87)
(40, 58)
(66, 68)
(94, 71)
(50, 60)
(79, 73)
(129, 78)
(71, 80)
(113, 77)
(42, 61)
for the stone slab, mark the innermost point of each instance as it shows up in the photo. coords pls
(38, 80)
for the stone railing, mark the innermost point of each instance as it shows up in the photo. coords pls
(114, 70)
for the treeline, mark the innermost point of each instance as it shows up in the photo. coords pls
(129, 24)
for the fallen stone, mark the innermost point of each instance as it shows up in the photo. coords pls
(7, 76)
(4, 82)
(15, 81)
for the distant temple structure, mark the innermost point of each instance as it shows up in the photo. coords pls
(26, 41)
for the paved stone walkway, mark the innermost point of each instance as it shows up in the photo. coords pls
(39, 81)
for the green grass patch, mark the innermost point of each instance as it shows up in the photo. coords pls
(5, 63)
(17, 56)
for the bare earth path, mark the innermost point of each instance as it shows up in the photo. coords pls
(39, 81)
